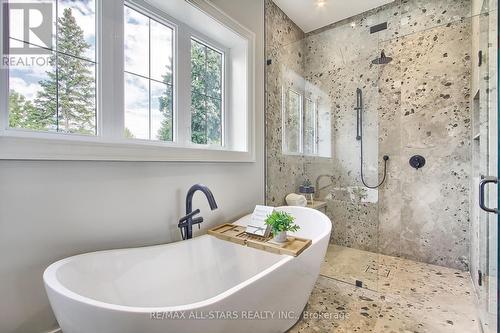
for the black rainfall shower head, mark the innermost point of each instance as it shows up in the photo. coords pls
(383, 60)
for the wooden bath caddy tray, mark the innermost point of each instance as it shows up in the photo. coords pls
(236, 234)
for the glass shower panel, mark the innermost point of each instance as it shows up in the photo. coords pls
(424, 98)
(284, 118)
(335, 69)
(485, 164)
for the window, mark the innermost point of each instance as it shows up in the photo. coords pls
(52, 81)
(148, 78)
(302, 129)
(126, 80)
(206, 94)
(292, 122)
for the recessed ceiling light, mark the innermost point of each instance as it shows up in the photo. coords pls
(320, 3)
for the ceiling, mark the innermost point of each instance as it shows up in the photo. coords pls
(310, 15)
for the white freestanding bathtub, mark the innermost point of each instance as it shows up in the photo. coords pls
(199, 285)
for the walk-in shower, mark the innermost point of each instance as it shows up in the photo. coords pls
(413, 80)
(359, 137)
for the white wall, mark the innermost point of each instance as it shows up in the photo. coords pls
(51, 210)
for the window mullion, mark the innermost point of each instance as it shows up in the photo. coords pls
(205, 76)
(182, 86)
(57, 66)
(149, 78)
(110, 61)
(227, 120)
(301, 123)
(4, 78)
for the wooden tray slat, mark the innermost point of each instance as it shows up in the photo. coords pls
(236, 234)
(228, 232)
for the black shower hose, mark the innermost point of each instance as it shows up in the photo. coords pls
(359, 109)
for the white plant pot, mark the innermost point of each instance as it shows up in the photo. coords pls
(280, 237)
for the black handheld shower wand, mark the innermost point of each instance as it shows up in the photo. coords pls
(359, 137)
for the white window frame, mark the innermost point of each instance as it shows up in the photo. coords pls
(110, 143)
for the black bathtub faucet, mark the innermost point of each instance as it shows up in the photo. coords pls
(186, 222)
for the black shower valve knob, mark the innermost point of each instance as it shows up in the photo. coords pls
(417, 161)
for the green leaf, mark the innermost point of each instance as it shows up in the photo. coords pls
(281, 221)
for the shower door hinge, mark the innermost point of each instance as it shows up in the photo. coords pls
(479, 278)
(480, 56)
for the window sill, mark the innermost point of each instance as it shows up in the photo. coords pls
(78, 148)
(311, 156)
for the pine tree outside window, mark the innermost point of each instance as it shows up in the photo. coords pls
(59, 94)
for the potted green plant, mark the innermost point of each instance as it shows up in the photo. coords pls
(280, 223)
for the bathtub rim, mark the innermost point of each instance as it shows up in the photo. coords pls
(52, 282)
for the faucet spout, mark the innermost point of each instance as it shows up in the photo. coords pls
(186, 223)
(205, 190)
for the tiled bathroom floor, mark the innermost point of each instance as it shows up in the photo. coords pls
(402, 296)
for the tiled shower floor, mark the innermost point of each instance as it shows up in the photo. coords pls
(400, 296)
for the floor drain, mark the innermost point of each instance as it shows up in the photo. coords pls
(359, 284)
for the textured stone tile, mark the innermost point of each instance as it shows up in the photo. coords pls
(390, 13)
(426, 283)
(420, 15)
(351, 265)
(356, 224)
(352, 309)
(428, 298)
(389, 212)
(402, 315)
(432, 198)
(413, 297)
(288, 176)
(280, 30)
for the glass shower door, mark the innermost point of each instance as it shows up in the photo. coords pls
(485, 168)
